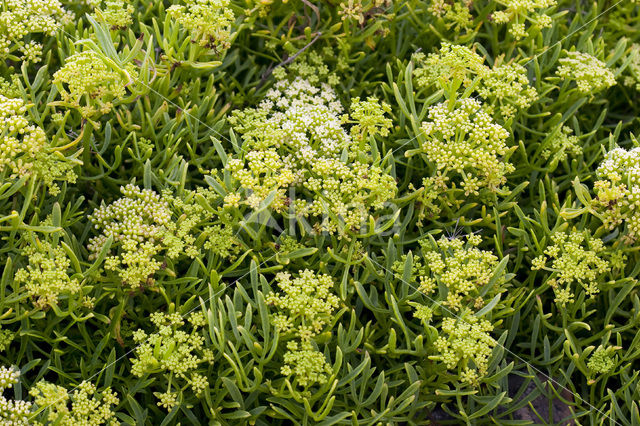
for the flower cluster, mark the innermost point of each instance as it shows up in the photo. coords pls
(456, 14)
(504, 87)
(518, 12)
(6, 337)
(601, 360)
(464, 149)
(631, 73)
(209, 21)
(21, 20)
(313, 68)
(618, 190)
(453, 62)
(358, 10)
(460, 269)
(173, 352)
(143, 228)
(295, 140)
(25, 151)
(305, 307)
(465, 344)
(590, 74)
(575, 258)
(46, 278)
(117, 14)
(12, 412)
(88, 406)
(561, 144)
(89, 84)
(370, 118)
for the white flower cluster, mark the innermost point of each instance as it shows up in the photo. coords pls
(618, 190)
(590, 74)
(295, 138)
(20, 19)
(12, 412)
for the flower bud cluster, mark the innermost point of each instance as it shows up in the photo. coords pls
(590, 74)
(87, 83)
(452, 273)
(313, 68)
(456, 14)
(359, 10)
(461, 268)
(504, 87)
(12, 412)
(517, 12)
(561, 145)
(574, 259)
(370, 118)
(602, 360)
(305, 307)
(618, 190)
(22, 20)
(88, 406)
(295, 139)
(176, 350)
(117, 14)
(465, 344)
(465, 148)
(46, 277)
(25, 151)
(208, 21)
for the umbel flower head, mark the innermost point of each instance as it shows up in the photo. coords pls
(117, 13)
(504, 87)
(577, 259)
(518, 12)
(459, 268)
(175, 351)
(618, 191)
(295, 139)
(208, 21)
(25, 150)
(88, 83)
(22, 20)
(464, 149)
(12, 412)
(88, 405)
(46, 277)
(590, 74)
(145, 226)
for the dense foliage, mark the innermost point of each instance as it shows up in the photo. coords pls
(319, 212)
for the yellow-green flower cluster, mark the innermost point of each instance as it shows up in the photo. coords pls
(631, 74)
(295, 139)
(146, 226)
(601, 360)
(370, 118)
(358, 10)
(21, 20)
(208, 21)
(305, 307)
(465, 148)
(173, 352)
(46, 277)
(89, 84)
(466, 345)
(88, 406)
(507, 88)
(618, 191)
(456, 14)
(504, 87)
(453, 62)
(517, 13)
(574, 258)
(590, 74)
(460, 267)
(6, 337)
(313, 68)
(117, 13)
(562, 144)
(12, 412)
(25, 151)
